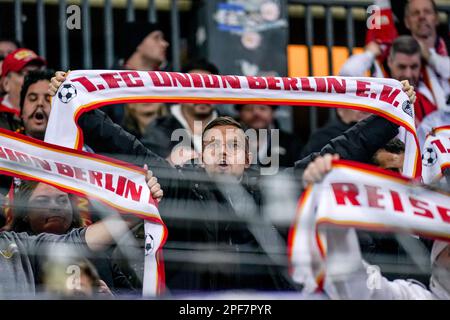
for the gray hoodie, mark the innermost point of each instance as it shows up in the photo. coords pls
(22, 257)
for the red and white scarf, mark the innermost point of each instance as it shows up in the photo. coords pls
(436, 154)
(353, 195)
(89, 89)
(117, 184)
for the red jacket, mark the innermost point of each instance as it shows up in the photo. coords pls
(6, 108)
(422, 107)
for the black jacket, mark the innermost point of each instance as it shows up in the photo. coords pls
(157, 136)
(203, 216)
(322, 136)
(8, 121)
(190, 192)
(359, 143)
(210, 228)
(288, 150)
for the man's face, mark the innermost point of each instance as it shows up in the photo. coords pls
(154, 47)
(421, 19)
(198, 110)
(390, 161)
(224, 151)
(13, 82)
(36, 109)
(256, 116)
(144, 113)
(49, 210)
(405, 67)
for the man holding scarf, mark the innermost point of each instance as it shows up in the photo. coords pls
(219, 197)
(366, 281)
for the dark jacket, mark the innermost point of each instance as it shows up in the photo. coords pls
(8, 121)
(288, 150)
(210, 227)
(157, 136)
(359, 143)
(293, 147)
(190, 192)
(322, 136)
(201, 215)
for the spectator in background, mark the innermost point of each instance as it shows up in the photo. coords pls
(6, 47)
(345, 119)
(35, 104)
(189, 118)
(404, 62)
(21, 272)
(143, 48)
(39, 208)
(286, 147)
(421, 18)
(89, 284)
(139, 115)
(391, 156)
(42, 208)
(14, 69)
(34, 113)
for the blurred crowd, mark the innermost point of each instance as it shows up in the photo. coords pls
(228, 224)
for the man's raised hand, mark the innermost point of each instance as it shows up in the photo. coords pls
(317, 169)
(153, 185)
(409, 90)
(56, 81)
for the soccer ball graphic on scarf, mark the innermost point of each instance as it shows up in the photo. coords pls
(429, 157)
(67, 93)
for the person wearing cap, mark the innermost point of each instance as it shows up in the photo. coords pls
(286, 148)
(350, 277)
(15, 66)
